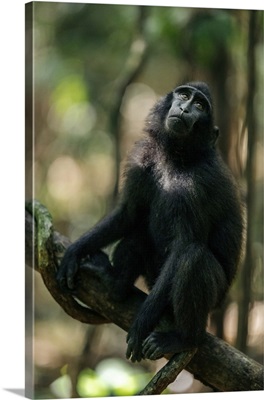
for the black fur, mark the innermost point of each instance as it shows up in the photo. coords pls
(178, 222)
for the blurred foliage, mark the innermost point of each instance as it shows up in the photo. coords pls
(79, 53)
(112, 377)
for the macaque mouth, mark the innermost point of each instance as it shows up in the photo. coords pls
(177, 120)
(174, 116)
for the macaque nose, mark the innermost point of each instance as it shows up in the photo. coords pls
(184, 109)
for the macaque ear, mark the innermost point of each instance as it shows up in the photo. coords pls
(215, 135)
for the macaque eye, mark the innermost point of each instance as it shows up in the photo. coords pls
(199, 105)
(184, 96)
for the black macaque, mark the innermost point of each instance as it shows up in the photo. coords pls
(178, 222)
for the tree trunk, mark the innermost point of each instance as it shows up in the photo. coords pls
(247, 270)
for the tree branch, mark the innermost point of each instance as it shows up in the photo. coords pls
(50, 256)
(133, 66)
(168, 373)
(215, 363)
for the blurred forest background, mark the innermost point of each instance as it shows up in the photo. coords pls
(97, 71)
